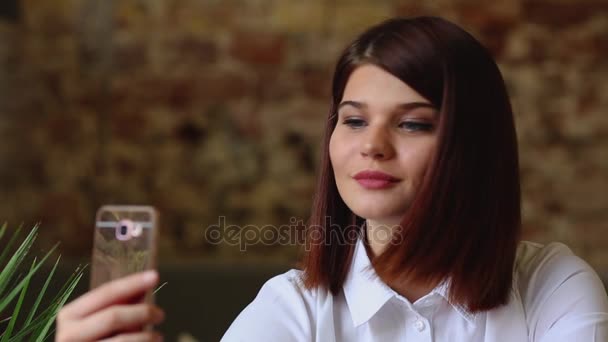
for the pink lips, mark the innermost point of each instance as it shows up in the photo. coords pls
(375, 179)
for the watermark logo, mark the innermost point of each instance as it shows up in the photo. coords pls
(295, 233)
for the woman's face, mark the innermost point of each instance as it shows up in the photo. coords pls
(388, 129)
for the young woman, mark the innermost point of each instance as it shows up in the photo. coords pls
(414, 234)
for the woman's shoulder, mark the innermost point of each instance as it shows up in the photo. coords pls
(548, 264)
(291, 279)
(559, 291)
(542, 268)
(288, 286)
(529, 251)
(532, 257)
(284, 304)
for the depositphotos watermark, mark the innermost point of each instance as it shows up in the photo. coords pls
(294, 233)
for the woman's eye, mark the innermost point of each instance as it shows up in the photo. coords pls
(354, 123)
(416, 126)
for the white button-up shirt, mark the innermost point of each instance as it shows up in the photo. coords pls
(556, 297)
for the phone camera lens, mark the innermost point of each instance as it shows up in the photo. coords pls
(123, 229)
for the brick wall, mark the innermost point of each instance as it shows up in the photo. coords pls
(207, 108)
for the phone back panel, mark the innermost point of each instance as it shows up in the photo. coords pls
(124, 242)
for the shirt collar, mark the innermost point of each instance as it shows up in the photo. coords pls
(366, 293)
(442, 290)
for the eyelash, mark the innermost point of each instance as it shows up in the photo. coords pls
(413, 126)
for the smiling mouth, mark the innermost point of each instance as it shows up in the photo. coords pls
(375, 183)
(374, 180)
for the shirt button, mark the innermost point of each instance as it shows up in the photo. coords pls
(419, 325)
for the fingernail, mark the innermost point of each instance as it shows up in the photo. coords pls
(150, 277)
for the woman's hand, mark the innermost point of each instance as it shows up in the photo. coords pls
(103, 313)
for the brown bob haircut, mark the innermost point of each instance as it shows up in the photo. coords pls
(464, 223)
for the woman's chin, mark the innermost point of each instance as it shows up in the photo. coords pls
(380, 216)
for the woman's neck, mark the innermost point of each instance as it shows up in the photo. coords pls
(379, 234)
(377, 237)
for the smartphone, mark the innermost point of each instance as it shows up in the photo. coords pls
(124, 242)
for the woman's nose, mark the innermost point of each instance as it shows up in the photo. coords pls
(377, 145)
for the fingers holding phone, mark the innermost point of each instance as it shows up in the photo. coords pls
(120, 304)
(103, 314)
(125, 240)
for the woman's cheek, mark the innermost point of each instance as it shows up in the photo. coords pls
(336, 151)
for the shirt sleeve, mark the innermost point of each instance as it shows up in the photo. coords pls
(280, 312)
(564, 299)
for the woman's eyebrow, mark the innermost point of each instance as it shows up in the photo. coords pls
(404, 106)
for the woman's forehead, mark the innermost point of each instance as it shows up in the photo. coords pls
(369, 86)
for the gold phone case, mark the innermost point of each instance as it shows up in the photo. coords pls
(124, 243)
